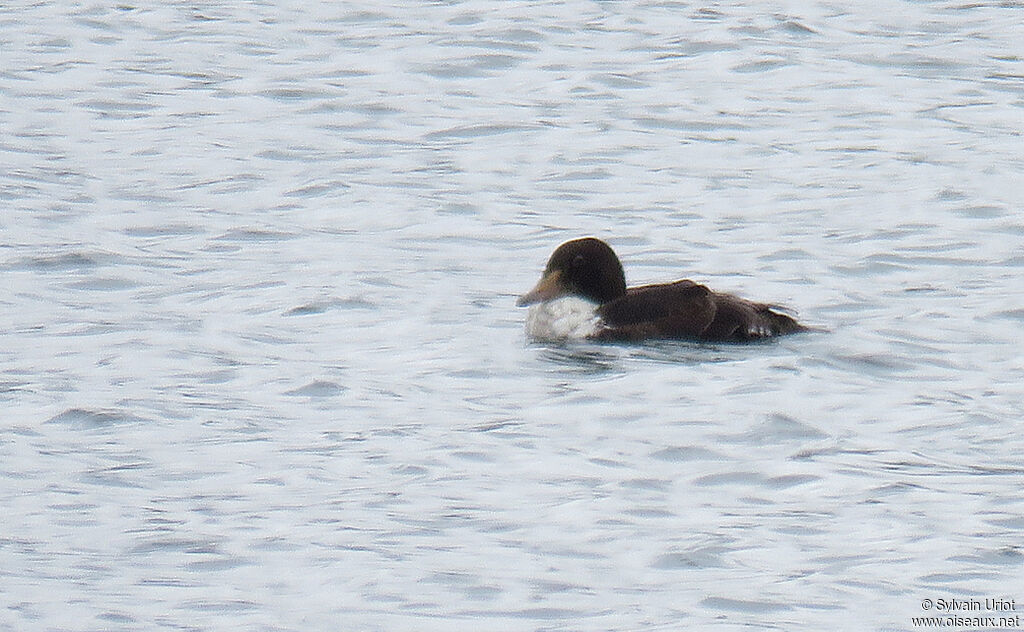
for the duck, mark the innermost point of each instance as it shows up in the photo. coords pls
(582, 295)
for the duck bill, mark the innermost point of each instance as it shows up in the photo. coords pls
(547, 288)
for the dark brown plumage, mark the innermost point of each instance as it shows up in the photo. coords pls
(588, 268)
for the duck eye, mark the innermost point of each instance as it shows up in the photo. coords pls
(577, 261)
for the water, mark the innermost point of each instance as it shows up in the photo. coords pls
(262, 367)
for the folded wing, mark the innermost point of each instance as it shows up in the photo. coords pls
(739, 319)
(685, 309)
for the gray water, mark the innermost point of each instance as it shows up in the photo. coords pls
(262, 367)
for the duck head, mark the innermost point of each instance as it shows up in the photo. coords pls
(585, 267)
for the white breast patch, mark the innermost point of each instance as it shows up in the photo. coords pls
(565, 318)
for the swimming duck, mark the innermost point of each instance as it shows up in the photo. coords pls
(583, 295)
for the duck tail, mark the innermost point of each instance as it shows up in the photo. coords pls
(781, 323)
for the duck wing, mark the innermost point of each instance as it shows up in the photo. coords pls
(738, 319)
(683, 309)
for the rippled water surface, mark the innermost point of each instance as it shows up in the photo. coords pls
(262, 367)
